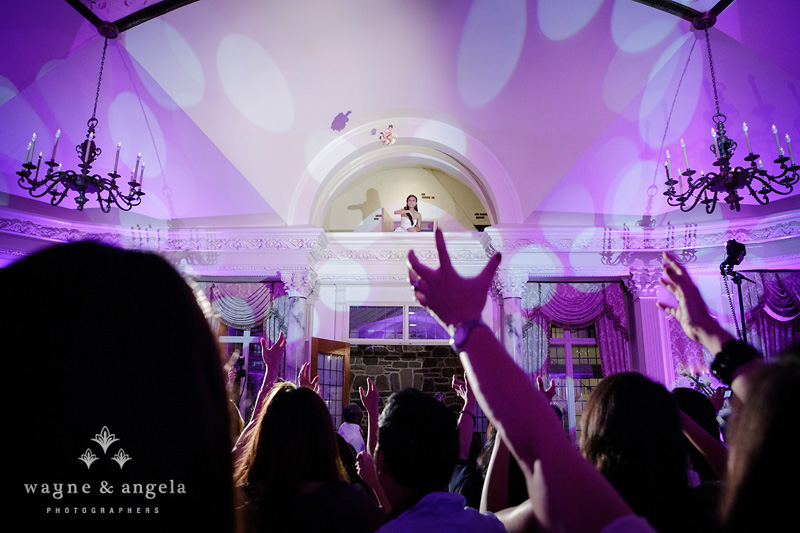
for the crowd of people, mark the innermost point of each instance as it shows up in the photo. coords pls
(119, 418)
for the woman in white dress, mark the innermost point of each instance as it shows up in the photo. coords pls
(412, 221)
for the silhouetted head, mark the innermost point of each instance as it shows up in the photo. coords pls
(764, 435)
(700, 409)
(111, 358)
(352, 413)
(631, 431)
(418, 439)
(294, 442)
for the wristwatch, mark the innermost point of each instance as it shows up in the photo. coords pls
(734, 354)
(463, 329)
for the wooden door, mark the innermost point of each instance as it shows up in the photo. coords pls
(330, 360)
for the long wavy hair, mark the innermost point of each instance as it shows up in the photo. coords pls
(415, 206)
(294, 443)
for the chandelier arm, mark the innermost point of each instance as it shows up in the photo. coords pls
(711, 204)
(770, 183)
(683, 206)
(32, 185)
(754, 194)
(123, 202)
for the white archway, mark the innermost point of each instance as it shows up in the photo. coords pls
(420, 142)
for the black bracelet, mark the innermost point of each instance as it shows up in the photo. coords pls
(734, 354)
(474, 419)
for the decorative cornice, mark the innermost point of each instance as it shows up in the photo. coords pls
(28, 228)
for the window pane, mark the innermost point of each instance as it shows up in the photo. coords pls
(376, 322)
(330, 369)
(421, 325)
(583, 388)
(584, 333)
(556, 332)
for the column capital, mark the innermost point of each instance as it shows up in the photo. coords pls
(299, 282)
(509, 282)
(643, 282)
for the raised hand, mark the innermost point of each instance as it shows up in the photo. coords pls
(273, 355)
(691, 311)
(304, 378)
(369, 398)
(550, 391)
(718, 398)
(450, 297)
(460, 386)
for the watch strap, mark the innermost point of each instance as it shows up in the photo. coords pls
(463, 329)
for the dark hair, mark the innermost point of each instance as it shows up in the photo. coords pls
(700, 409)
(631, 432)
(120, 344)
(294, 441)
(418, 439)
(764, 437)
(415, 207)
(352, 413)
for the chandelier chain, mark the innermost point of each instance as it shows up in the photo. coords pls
(711, 68)
(99, 79)
(671, 109)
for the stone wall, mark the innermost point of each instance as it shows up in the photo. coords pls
(394, 368)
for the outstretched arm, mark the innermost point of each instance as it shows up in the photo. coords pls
(692, 314)
(554, 470)
(494, 497)
(366, 470)
(713, 451)
(467, 418)
(272, 357)
(370, 400)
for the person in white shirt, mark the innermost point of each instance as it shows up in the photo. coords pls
(350, 429)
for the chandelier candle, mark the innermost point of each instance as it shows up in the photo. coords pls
(55, 146)
(32, 145)
(685, 157)
(116, 160)
(716, 142)
(747, 138)
(777, 142)
(789, 146)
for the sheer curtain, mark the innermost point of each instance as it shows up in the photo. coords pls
(240, 305)
(575, 306)
(772, 310)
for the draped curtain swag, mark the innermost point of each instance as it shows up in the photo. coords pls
(772, 310)
(241, 305)
(575, 306)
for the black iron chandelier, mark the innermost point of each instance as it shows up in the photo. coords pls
(726, 179)
(57, 183)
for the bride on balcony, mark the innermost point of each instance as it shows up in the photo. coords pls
(412, 221)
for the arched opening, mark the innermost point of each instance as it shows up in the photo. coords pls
(447, 154)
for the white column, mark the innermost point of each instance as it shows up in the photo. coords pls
(652, 339)
(509, 285)
(299, 287)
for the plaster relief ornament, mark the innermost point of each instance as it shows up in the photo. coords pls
(388, 136)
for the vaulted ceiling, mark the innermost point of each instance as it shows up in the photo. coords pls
(261, 111)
